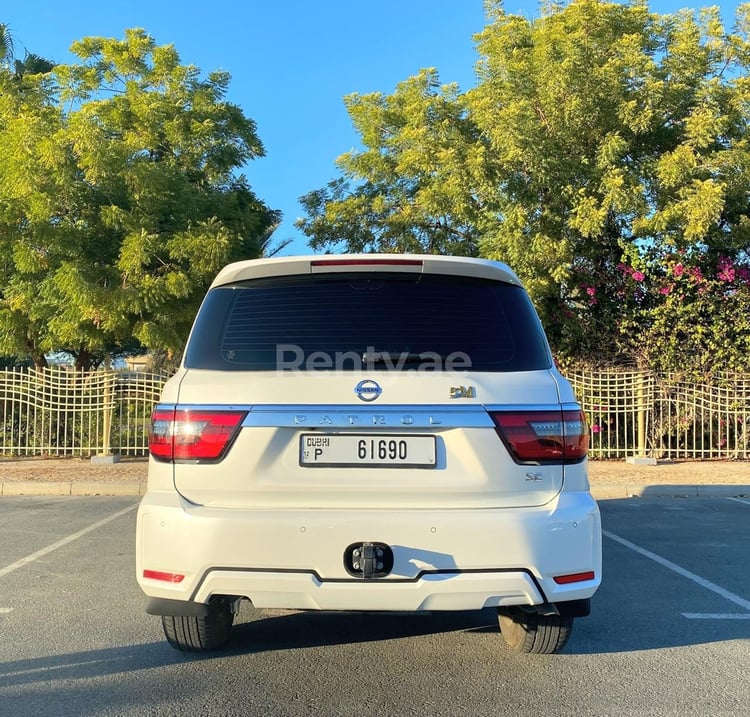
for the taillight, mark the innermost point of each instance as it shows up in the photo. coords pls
(192, 435)
(543, 436)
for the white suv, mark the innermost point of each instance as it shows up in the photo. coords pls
(368, 432)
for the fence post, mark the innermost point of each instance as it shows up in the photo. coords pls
(641, 403)
(106, 456)
(107, 418)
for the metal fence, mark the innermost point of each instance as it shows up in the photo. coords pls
(640, 413)
(61, 412)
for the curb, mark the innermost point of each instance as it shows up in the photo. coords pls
(58, 488)
(646, 490)
(600, 492)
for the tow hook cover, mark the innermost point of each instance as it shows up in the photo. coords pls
(368, 560)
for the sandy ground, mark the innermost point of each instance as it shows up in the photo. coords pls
(71, 469)
(601, 472)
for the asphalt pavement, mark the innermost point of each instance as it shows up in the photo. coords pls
(669, 632)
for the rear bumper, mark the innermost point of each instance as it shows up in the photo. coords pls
(443, 559)
(456, 591)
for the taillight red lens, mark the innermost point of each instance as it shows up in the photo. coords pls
(544, 436)
(160, 435)
(192, 435)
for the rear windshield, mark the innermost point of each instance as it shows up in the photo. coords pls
(355, 322)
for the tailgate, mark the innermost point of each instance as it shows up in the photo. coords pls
(385, 440)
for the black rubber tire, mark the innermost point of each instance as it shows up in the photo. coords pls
(200, 634)
(532, 633)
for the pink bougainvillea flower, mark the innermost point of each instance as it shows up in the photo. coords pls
(590, 290)
(666, 290)
(596, 428)
(638, 276)
(678, 270)
(726, 269)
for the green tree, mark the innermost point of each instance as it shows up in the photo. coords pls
(621, 138)
(406, 190)
(119, 199)
(598, 136)
(6, 44)
(31, 64)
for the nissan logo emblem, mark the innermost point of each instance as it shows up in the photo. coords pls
(367, 390)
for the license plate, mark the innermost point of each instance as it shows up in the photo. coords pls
(374, 451)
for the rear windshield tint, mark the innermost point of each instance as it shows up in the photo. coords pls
(353, 322)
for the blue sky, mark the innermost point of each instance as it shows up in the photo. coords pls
(291, 63)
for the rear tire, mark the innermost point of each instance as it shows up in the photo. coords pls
(200, 634)
(533, 633)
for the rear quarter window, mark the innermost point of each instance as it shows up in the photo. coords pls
(368, 322)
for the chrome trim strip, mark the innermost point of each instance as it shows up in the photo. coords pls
(335, 416)
(369, 417)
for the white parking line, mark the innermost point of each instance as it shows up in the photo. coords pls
(59, 544)
(5, 610)
(716, 615)
(713, 587)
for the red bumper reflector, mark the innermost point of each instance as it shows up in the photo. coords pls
(164, 577)
(574, 578)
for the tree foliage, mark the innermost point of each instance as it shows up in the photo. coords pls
(692, 317)
(601, 141)
(31, 64)
(6, 44)
(119, 199)
(406, 190)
